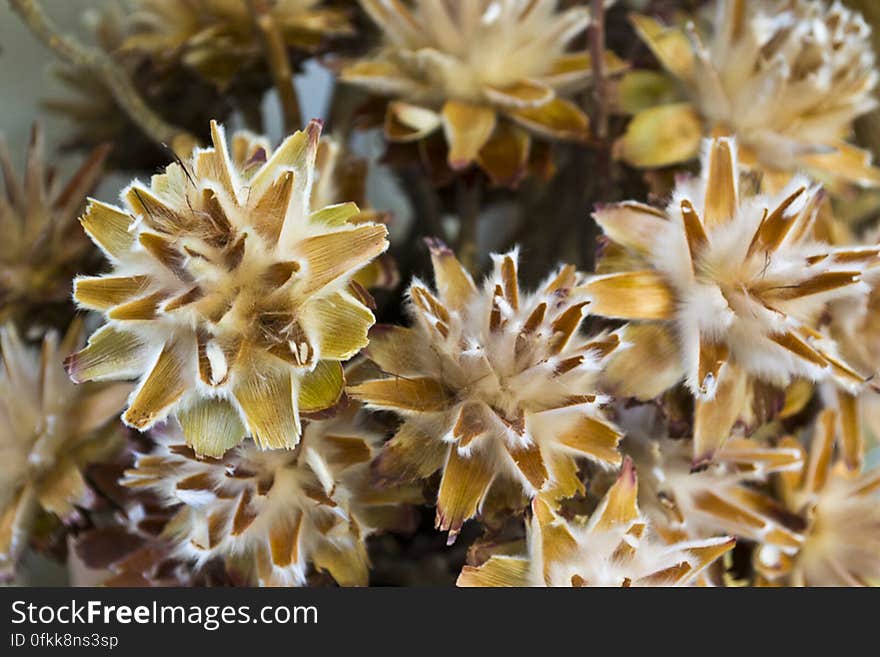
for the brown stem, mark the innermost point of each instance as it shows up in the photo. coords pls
(103, 67)
(468, 195)
(597, 53)
(279, 63)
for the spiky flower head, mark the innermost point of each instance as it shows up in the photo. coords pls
(722, 498)
(615, 546)
(786, 77)
(42, 248)
(493, 385)
(229, 299)
(727, 286)
(49, 430)
(271, 515)
(220, 39)
(839, 508)
(488, 73)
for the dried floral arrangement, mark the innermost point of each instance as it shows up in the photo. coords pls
(624, 330)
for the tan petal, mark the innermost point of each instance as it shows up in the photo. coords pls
(500, 570)
(505, 157)
(268, 214)
(156, 213)
(211, 427)
(669, 44)
(321, 388)
(593, 438)
(721, 191)
(639, 90)
(471, 423)
(714, 419)
(454, 284)
(821, 452)
(620, 505)
(467, 129)
(416, 394)
(851, 441)
(104, 292)
(530, 463)
(284, 539)
(846, 162)
(158, 392)
(111, 353)
(333, 255)
(648, 364)
(410, 455)
(347, 564)
(340, 323)
(396, 349)
(713, 356)
(465, 482)
(62, 488)
(630, 295)
(266, 399)
(558, 119)
(661, 136)
(633, 225)
(108, 226)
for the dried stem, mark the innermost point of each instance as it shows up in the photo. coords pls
(468, 194)
(279, 63)
(597, 53)
(103, 67)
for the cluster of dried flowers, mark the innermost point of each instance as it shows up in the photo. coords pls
(691, 403)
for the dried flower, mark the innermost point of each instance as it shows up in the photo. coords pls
(218, 38)
(270, 514)
(616, 546)
(728, 286)
(495, 386)
(786, 77)
(489, 74)
(49, 430)
(42, 247)
(230, 298)
(839, 518)
(175, 92)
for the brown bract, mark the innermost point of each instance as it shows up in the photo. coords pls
(50, 430)
(495, 386)
(491, 75)
(230, 299)
(724, 289)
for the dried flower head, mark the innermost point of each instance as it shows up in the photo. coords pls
(230, 299)
(49, 430)
(720, 498)
(219, 38)
(728, 286)
(616, 546)
(176, 93)
(786, 77)
(839, 508)
(42, 248)
(494, 386)
(488, 73)
(271, 514)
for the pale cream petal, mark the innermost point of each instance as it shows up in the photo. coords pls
(211, 427)
(630, 295)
